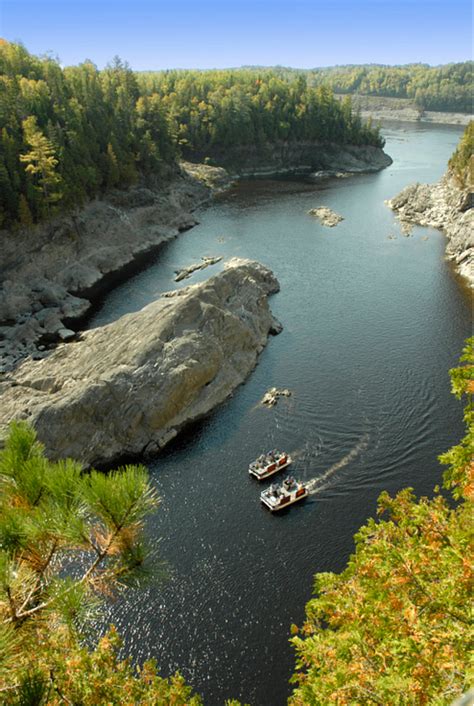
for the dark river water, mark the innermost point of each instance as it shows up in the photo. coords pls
(371, 327)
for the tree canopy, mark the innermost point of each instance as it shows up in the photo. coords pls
(69, 134)
(211, 110)
(394, 627)
(437, 88)
(461, 163)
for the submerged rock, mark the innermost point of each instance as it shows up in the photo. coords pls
(326, 216)
(270, 398)
(128, 387)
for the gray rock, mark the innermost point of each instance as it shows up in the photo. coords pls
(445, 206)
(46, 266)
(186, 272)
(128, 387)
(270, 398)
(326, 216)
(65, 334)
(276, 327)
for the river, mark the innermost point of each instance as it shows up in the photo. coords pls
(371, 326)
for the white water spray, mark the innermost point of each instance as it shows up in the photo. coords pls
(315, 485)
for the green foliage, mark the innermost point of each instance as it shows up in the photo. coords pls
(446, 87)
(40, 163)
(67, 134)
(459, 477)
(211, 112)
(461, 163)
(395, 626)
(68, 538)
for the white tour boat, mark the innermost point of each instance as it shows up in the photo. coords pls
(268, 464)
(278, 496)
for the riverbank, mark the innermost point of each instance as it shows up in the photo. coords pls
(53, 273)
(445, 206)
(298, 159)
(384, 109)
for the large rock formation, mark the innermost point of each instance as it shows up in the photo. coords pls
(50, 273)
(445, 206)
(128, 387)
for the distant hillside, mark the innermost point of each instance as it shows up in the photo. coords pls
(70, 134)
(439, 88)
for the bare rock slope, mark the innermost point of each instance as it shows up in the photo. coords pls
(128, 387)
(50, 273)
(445, 206)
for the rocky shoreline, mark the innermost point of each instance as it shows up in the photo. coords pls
(385, 109)
(300, 159)
(444, 206)
(126, 389)
(52, 273)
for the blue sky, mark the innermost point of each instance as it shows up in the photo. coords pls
(154, 34)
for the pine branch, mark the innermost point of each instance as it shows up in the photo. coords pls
(102, 555)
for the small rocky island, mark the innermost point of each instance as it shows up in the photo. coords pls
(128, 387)
(326, 216)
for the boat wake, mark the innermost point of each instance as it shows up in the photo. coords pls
(315, 485)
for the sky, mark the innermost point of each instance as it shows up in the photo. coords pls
(159, 34)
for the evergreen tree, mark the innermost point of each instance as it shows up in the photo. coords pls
(25, 218)
(41, 162)
(68, 538)
(113, 174)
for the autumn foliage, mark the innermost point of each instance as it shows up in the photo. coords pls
(394, 627)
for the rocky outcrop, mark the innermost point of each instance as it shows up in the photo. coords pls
(299, 158)
(271, 396)
(326, 216)
(445, 206)
(50, 273)
(128, 387)
(186, 272)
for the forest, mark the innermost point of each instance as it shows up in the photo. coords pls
(71, 133)
(461, 163)
(438, 88)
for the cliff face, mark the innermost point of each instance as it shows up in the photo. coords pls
(127, 388)
(445, 206)
(299, 158)
(50, 273)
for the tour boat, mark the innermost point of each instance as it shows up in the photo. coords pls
(279, 496)
(268, 464)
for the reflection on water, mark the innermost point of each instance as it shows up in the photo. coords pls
(372, 325)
